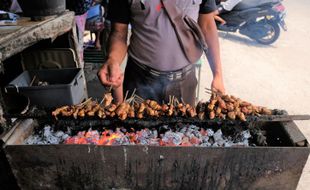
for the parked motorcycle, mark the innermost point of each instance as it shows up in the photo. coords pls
(257, 19)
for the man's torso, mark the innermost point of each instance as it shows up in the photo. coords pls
(153, 41)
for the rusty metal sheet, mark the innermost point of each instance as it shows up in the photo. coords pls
(147, 167)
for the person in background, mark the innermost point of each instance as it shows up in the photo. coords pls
(157, 67)
(98, 39)
(80, 7)
(224, 6)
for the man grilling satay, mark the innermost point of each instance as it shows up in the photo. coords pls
(157, 67)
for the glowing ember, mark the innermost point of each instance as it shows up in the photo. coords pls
(185, 136)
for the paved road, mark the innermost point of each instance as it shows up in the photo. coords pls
(277, 76)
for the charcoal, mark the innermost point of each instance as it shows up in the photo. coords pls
(246, 134)
(52, 140)
(210, 132)
(215, 144)
(181, 135)
(228, 144)
(221, 142)
(205, 139)
(175, 138)
(155, 134)
(218, 136)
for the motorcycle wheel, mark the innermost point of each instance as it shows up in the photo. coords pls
(273, 33)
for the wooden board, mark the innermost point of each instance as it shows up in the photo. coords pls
(28, 32)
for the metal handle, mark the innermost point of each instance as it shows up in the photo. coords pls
(78, 78)
(14, 85)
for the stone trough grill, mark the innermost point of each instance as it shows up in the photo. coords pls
(261, 153)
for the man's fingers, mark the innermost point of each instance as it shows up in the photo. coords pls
(103, 76)
(119, 81)
(110, 75)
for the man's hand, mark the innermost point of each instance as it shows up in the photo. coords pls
(110, 74)
(217, 85)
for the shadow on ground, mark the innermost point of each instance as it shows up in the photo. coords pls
(235, 37)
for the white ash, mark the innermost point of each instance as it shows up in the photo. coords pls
(47, 136)
(193, 136)
(210, 132)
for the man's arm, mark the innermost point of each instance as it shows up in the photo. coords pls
(117, 43)
(110, 73)
(208, 27)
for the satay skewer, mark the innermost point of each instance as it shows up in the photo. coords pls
(85, 102)
(212, 91)
(182, 100)
(126, 96)
(139, 98)
(110, 89)
(133, 93)
(32, 81)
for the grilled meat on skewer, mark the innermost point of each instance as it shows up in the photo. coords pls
(112, 108)
(219, 106)
(131, 112)
(101, 114)
(59, 110)
(212, 115)
(93, 111)
(107, 99)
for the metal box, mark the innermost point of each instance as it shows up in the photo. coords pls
(66, 87)
(150, 167)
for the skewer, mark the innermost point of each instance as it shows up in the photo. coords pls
(110, 89)
(182, 100)
(139, 98)
(208, 92)
(208, 89)
(126, 96)
(129, 100)
(212, 91)
(133, 93)
(83, 103)
(33, 79)
(132, 97)
(138, 101)
(102, 100)
(177, 101)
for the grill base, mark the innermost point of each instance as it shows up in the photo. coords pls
(151, 167)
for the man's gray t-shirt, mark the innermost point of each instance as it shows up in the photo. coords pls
(153, 41)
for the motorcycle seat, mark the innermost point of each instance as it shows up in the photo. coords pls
(248, 4)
